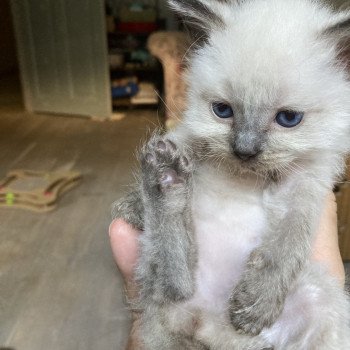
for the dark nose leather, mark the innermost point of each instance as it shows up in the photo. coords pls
(245, 155)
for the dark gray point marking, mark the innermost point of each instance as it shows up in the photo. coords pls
(341, 33)
(340, 27)
(203, 10)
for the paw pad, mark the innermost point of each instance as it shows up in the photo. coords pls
(170, 177)
(164, 165)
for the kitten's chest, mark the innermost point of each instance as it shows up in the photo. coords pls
(229, 222)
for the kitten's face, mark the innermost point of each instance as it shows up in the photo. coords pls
(264, 90)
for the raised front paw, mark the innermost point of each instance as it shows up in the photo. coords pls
(256, 302)
(165, 170)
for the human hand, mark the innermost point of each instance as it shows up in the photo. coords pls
(326, 246)
(124, 243)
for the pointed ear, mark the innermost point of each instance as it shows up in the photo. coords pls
(198, 16)
(341, 33)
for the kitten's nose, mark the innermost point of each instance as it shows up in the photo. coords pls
(245, 155)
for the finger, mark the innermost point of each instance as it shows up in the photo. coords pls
(124, 243)
(326, 246)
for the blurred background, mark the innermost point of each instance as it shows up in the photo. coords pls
(81, 84)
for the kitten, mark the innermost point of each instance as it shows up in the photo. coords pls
(230, 200)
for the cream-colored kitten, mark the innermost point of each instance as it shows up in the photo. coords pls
(230, 200)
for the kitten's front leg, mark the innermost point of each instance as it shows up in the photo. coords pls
(258, 299)
(167, 254)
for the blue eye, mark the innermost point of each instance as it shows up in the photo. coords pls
(289, 119)
(222, 110)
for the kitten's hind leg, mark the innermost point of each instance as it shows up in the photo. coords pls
(167, 254)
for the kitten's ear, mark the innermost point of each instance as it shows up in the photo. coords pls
(199, 17)
(340, 32)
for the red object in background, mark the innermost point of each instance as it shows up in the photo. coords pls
(137, 27)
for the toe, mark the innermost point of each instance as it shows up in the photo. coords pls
(161, 146)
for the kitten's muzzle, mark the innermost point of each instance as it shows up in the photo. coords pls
(246, 155)
(246, 145)
(245, 152)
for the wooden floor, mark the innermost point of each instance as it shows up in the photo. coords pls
(59, 286)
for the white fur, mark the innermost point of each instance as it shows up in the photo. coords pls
(226, 230)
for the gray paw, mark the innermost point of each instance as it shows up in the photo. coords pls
(165, 169)
(166, 190)
(256, 302)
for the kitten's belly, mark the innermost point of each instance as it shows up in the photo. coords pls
(229, 222)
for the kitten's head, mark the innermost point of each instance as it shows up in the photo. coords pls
(267, 86)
